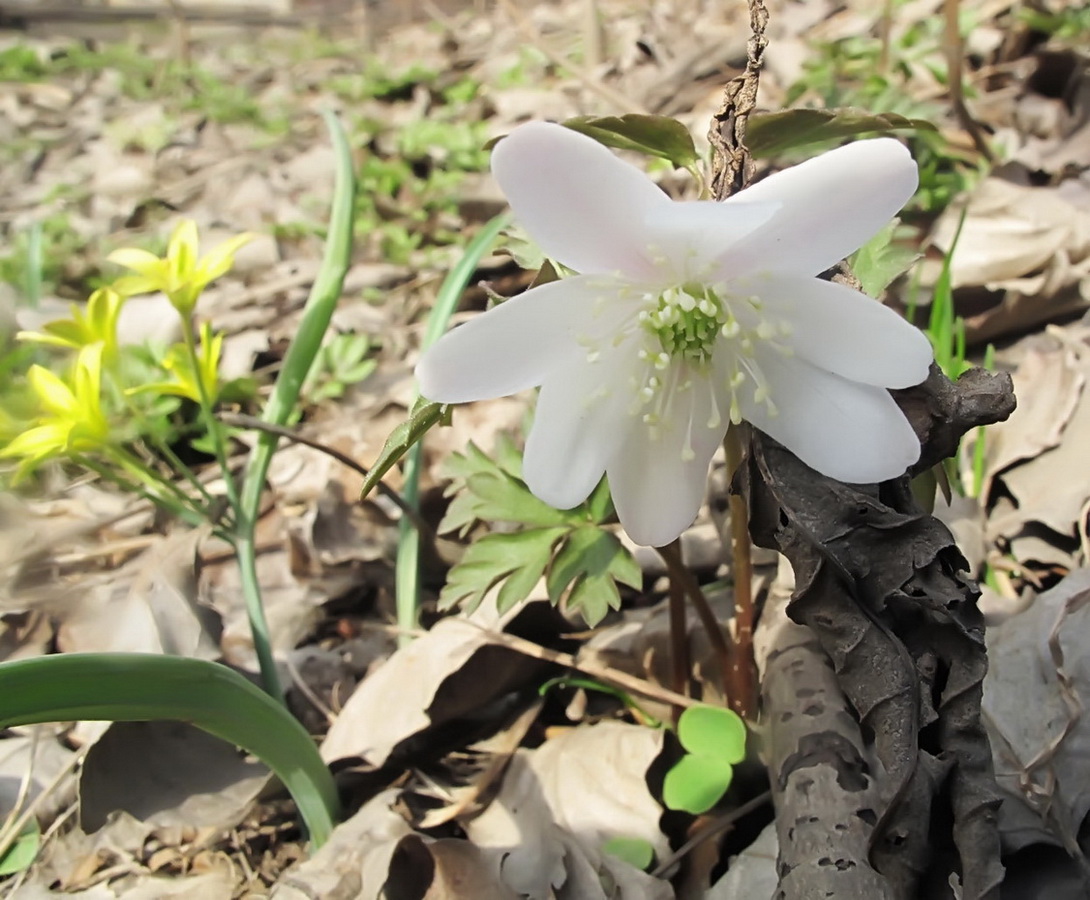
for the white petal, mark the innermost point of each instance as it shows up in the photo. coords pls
(851, 432)
(656, 490)
(832, 205)
(515, 345)
(843, 330)
(583, 205)
(691, 236)
(579, 423)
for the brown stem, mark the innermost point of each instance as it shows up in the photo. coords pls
(682, 577)
(680, 663)
(741, 674)
(954, 52)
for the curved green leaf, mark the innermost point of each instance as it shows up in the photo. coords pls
(771, 134)
(140, 687)
(658, 136)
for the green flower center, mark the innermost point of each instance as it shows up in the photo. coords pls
(687, 321)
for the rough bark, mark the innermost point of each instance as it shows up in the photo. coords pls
(817, 760)
(882, 587)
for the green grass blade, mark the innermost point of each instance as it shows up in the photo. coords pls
(407, 573)
(139, 687)
(301, 354)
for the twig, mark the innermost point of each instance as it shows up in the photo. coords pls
(954, 56)
(714, 828)
(239, 420)
(605, 673)
(730, 158)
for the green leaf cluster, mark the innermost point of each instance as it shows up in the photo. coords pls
(582, 562)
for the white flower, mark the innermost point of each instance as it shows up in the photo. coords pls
(685, 317)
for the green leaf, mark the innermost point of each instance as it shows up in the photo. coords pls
(22, 850)
(486, 490)
(879, 260)
(587, 561)
(593, 597)
(422, 417)
(635, 851)
(772, 134)
(713, 731)
(139, 687)
(658, 136)
(715, 739)
(520, 557)
(696, 783)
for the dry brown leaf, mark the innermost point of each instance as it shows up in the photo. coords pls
(1035, 692)
(560, 803)
(441, 676)
(149, 605)
(167, 773)
(355, 862)
(447, 869)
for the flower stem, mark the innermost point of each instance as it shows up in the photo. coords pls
(683, 578)
(680, 661)
(740, 684)
(244, 523)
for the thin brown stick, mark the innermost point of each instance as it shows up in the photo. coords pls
(741, 670)
(714, 828)
(605, 673)
(239, 420)
(954, 74)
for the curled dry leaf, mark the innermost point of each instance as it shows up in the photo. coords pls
(1035, 696)
(1040, 447)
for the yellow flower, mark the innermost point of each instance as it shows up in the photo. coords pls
(97, 324)
(182, 274)
(70, 418)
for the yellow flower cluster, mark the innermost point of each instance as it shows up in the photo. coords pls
(70, 418)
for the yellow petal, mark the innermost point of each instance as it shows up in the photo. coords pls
(219, 259)
(39, 442)
(147, 264)
(182, 251)
(52, 393)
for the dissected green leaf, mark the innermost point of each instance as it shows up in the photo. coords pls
(696, 782)
(658, 136)
(880, 260)
(771, 134)
(713, 731)
(423, 416)
(520, 557)
(635, 851)
(600, 503)
(593, 596)
(588, 561)
(483, 491)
